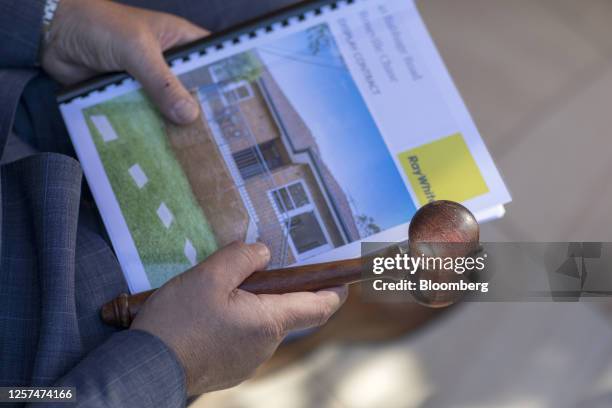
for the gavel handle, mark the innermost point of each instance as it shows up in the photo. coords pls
(121, 311)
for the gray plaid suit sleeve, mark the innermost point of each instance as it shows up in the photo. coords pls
(20, 31)
(56, 272)
(131, 369)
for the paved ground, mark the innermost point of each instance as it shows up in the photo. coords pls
(537, 76)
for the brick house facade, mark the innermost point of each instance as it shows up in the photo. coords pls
(256, 170)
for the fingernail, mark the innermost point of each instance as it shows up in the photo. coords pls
(185, 111)
(261, 249)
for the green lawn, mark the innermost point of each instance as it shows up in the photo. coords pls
(142, 140)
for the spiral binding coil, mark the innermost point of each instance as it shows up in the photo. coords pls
(269, 28)
(239, 38)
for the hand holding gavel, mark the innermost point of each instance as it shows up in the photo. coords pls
(219, 333)
(437, 222)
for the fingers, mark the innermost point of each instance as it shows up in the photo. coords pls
(148, 66)
(64, 73)
(230, 266)
(302, 310)
(177, 31)
(150, 69)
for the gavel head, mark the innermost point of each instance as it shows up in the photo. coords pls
(442, 230)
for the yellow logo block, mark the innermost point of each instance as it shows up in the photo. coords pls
(443, 170)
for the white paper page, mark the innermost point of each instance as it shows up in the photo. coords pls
(315, 135)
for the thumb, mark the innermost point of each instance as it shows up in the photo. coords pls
(231, 265)
(161, 85)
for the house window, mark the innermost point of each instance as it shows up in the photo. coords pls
(232, 91)
(218, 72)
(258, 159)
(235, 92)
(299, 216)
(232, 126)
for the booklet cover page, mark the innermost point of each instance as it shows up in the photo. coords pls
(314, 135)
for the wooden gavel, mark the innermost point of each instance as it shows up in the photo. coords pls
(436, 222)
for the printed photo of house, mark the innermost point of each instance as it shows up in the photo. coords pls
(256, 169)
(285, 152)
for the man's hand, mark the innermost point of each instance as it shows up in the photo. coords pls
(220, 333)
(87, 37)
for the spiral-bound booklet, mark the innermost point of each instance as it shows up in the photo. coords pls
(321, 126)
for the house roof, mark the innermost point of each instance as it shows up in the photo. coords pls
(301, 140)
